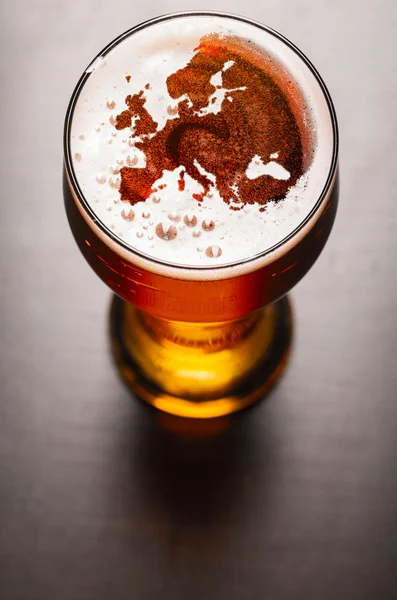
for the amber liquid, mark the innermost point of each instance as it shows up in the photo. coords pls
(201, 370)
(200, 348)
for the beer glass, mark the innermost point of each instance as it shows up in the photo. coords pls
(198, 341)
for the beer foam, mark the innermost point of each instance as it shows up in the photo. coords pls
(170, 225)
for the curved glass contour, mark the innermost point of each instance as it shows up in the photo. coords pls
(194, 341)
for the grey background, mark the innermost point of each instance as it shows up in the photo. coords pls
(301, 501)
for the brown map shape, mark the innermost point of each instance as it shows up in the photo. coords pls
(259, 121)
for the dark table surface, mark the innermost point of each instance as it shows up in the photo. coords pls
(102, 498)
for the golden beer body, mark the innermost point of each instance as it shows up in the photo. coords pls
(200, 348)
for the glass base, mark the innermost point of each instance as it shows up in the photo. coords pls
(201, 370)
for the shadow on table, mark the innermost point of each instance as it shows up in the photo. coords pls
(196, 481)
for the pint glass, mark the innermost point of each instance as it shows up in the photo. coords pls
(203, 330)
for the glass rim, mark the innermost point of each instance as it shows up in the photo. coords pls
(73, 180)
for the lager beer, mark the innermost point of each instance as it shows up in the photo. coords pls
(201, 185)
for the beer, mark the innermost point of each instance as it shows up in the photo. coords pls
(200, 184)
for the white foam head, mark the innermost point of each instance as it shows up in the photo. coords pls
(170, 225)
